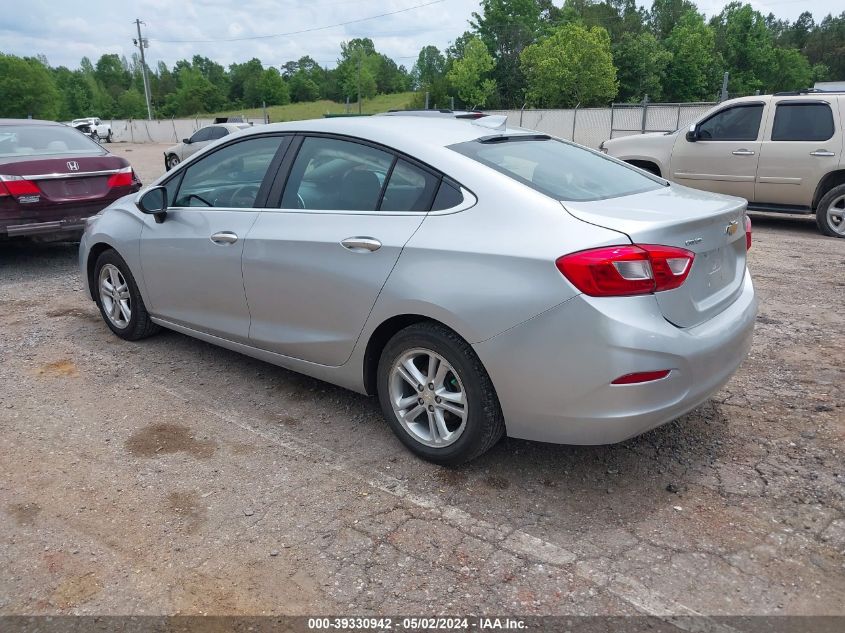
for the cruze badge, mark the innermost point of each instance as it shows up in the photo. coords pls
(731, 228)
(73, 165)
(695, 240)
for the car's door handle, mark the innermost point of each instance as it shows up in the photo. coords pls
(224, 237)
(742, 152)
(822, 152)
(361, 244)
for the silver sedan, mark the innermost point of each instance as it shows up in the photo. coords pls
(479, 279)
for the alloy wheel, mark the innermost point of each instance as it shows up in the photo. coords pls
(428, 398)
(114, 296)
(836, 215)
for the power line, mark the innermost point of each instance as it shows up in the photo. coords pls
(311, 30)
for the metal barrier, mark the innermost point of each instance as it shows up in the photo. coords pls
(591, 126)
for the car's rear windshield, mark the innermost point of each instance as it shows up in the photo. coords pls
(43, 140)
(561, 170)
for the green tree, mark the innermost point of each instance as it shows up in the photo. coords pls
(131, 105)
(745, 43)
(570, 67)
(272, 90)
(468, 74)
(826, 46)
(303, 88)
(666, 14)
(790, 70)
(507, 27)
(641, 63)
(28, 89)
(693, 72)
(429, 75)
(112, 74)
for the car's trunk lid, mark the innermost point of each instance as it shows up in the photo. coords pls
(69, 178)
(710, 225)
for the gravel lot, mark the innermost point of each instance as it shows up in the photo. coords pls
(170, 476)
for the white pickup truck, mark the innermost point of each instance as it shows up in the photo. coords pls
(96, 129)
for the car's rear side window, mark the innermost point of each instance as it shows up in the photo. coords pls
(409, 188)
(561, 170)
(802, 122)
(448, 196)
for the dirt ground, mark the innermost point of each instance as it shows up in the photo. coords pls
(170, 476)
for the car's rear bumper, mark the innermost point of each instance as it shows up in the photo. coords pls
(553, 372)
(71, 226)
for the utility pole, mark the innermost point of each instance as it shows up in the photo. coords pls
(142, 43)
(360, 51)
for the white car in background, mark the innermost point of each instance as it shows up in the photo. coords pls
(93, 127)
(199, 139)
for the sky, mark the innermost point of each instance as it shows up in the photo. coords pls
(66, 31)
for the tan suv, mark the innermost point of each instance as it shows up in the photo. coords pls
(781, 152)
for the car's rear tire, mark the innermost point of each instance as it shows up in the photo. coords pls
(172, 161)
(108, 138)
(452, 414)
(830, 214)
(119, 299)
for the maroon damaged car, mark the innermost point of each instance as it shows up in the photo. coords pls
(52, 177)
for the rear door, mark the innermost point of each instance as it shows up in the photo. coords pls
(315, 262)
(802, 143)
(192, 261)
(724, 158)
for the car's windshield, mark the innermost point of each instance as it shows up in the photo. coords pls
(558, 169)
(37, 140)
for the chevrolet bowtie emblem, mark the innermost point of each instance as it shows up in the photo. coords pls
(731, 228)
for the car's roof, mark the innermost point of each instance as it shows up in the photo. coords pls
(398, 131)
(27, 122)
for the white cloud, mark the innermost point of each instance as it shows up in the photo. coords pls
(65, 32)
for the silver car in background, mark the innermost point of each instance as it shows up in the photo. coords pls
(199, 140)
(479, 279)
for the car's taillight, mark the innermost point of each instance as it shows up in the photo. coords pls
(17, 186)
(747, 233)
(123, 178)
(618, 271)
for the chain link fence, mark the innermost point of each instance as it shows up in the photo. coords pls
(591, 126)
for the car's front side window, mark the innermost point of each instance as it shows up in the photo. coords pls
(333, 174)
(739, 123)
(201, 135)
(229, 177)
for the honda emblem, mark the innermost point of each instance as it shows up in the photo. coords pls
(73, 165)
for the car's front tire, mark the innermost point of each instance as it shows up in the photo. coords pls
(172, 161)
(437, 396)
(830, 214)
(119, 299)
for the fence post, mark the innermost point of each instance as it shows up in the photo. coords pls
(612, 113)
(678, 120)
(724, 94)
(574, 117)
(521, 110)
(645, 113)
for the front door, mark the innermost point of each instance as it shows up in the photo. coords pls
(724, 157)
(314, 266)
(191, 262)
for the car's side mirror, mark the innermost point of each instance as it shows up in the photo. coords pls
(692, 133)
(154, 202)
(186, 141)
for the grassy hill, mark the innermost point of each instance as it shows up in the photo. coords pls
(316, 109)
